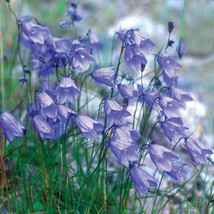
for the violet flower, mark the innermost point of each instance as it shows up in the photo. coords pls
(114, 112)
(179, 95)
(48, 107)
(178, 171)
(142, 180)
(197, 151)
(66, 90)
(73, 15)
(11, 126)
(173, 128)
(88, 127)
(125, 153)
(93, 42)
(128, 91)
(43, 128)
(105, 75)
(137, 45)
(162, 157)
(65, 114)
(168, 64)
(80, 59)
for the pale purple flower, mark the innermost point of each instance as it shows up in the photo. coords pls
(65, 114)
(48, 107)
(34, 33)
(114, 112)
(173, 128)
(43, 128)
(197, 150)
(125, 153)
(11, 126)
(81, 59)
(168, 64)
(105, 75)
(66, 90)
(142, 180)
(137, 46)
(88, 127)
(93, 42)
(128, 91)
(179, 95)
(162, 157)
(74, 14)
(178, 171)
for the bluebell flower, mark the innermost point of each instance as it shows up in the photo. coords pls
(169, 106)
(92, 42)
(197, 150)
(43, 128)
(114, 112)
(65, 114)
(88, 127)
(34, 33)
(66, 90)
(48, 107)
(125, 153)
(11, 126)
(179, 95)
(74, 14)
(168, 64)
(128, 91)
(142, 180)
(151, 99)
(80, 58)
(162, 157)
(105, 75)
(181, 48)
(137, 45)
(173, 128)
(178, 171)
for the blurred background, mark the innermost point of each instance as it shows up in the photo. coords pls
(107, 17)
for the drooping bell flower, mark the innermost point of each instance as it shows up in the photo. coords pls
(142, 180)
(11, 126)
(80, 58)
(168, 64)
(48, 107)
(65, 114)
(162, 157)
(197, 150)
(125, 152)
(43, 128)
(128, 91)
(88, 127)
(105, 75)
(137, 45)
(66, 90)
(115, 113)
(74, 14)
(92, 42)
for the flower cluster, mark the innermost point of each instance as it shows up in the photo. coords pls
(55, 108)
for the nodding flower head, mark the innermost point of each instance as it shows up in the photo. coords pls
(11, 126)
(88, 127)
(142, 180)
(66, 90)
